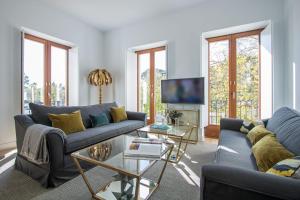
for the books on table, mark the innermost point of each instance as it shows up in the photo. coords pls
(149, 140)
(159, 128)
(143, 150)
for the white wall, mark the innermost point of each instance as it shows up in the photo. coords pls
(183, 30)
(38, 16)
(292, 16)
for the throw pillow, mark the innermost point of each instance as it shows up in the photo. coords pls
(257, 133)
(69, 123)
(99, 120)
(288, 168)
(118, 114)
(268, 151)
(247, 126)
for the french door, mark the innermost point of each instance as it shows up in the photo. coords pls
(151, 69)
(234, 78)
(45, 72)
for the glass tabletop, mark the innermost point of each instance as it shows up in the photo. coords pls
(110, 154)
(173, 130)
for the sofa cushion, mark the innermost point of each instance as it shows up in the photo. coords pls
(99, 120)
(289, 168)
(285, 123)
(40, 112)
(268, 151)
(118, 114)
(257, 133)
(234, 149)
(279, 117)
(92, 136)
(69, 123)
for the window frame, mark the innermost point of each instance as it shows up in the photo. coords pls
(47, 68)
(212, 130)
(151, 51)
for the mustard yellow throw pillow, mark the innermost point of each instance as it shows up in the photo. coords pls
(69, 123)
(268, 151)
(118, 114)
(257, 133)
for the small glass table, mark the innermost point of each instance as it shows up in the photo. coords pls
(175, 135)
(128, 183)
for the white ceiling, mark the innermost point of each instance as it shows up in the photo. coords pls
(110, 14)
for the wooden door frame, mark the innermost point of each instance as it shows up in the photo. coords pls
(231, 38)
(151, 52)
(47, 66)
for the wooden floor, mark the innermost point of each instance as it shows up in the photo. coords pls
(3, 152)
(211, 140)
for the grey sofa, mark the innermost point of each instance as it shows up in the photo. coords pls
(61, 167)
(235, 176)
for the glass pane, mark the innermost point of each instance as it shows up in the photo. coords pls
(160, 74)
(144, 83)
(218, 81)
(34, 60)
(58, 76)
(247, 77)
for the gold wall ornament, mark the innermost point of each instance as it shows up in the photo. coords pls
(99, 77)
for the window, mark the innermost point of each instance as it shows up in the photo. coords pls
(45, 72)
(152, 69)
(234, 78)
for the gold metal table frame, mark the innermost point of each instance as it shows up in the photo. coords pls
(180, 144)
(137, 178)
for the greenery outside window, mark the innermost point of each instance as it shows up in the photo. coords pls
(45, 73)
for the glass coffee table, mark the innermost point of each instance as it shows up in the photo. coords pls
(128, 183)
(175, 135)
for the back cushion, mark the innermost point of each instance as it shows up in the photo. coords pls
(279, 117)
(285, 123)
(40, 112)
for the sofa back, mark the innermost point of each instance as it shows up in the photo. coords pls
(285, 123)
(40, 112)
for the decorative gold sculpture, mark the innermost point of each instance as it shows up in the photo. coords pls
(99, 77)
(100, 151)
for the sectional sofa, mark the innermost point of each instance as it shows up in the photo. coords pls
(235, 176)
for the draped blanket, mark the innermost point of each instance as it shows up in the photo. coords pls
(35, 145)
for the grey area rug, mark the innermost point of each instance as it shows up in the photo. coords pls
(180, 181)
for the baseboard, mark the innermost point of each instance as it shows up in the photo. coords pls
(8, 145)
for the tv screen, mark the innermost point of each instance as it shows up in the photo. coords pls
(188, 91)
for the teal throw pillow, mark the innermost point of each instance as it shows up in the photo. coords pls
(99, 120)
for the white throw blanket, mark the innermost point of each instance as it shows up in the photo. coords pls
(35, 145)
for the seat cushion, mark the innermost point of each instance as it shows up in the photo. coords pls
(40, 112)
(234, 149)
(79, 140)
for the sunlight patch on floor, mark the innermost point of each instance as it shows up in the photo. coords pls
(7, 165)
(8, 161)
(188, 174)
(186, 177)
(227, 149)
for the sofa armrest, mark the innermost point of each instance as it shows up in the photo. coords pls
(231, 124)
(226, 182)
(55, 143)
(136, 116)
(22, 122)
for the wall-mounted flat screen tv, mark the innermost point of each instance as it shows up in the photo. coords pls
(186, 91)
